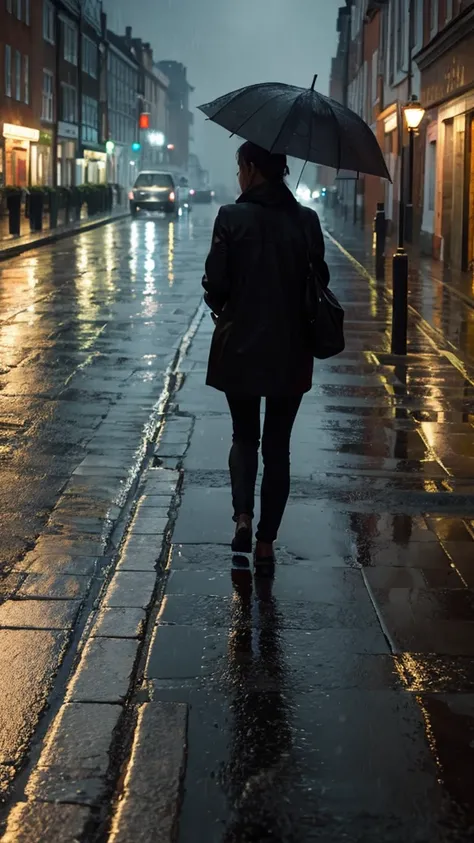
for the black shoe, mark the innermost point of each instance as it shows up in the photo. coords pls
(242, 541)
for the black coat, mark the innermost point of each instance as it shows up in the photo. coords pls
(255, 278)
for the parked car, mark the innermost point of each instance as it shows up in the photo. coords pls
(154, 191)
(202, 197)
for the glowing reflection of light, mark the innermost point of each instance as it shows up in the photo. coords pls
(171, 253)
(32, 274)
(134, 242)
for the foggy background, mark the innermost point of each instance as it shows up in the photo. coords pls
(226, 44)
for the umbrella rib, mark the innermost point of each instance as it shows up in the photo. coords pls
(338, 134)
(285, 120)
(236, 131)
(238, 94)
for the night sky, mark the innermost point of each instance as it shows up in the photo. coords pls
(226, 44)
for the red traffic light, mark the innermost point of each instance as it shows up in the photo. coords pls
(144, 121)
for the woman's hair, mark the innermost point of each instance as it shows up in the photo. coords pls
(271, 165)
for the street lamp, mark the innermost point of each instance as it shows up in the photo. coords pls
(413, 113)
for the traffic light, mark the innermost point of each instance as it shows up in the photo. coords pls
(136, 147)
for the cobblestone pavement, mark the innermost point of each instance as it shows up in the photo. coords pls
(194, 702)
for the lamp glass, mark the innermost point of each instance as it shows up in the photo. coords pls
(414, 113)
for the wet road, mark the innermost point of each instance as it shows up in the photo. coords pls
(335, 703)
(88, 329)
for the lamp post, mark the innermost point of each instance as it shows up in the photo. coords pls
(413, 113)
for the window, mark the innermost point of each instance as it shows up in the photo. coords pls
(26, 73)
(401, 28)
(27, 12)
(8, 70)
(433, 17)
(90, 120)
(89, 57)
(9, 6)
(449, 10)
(47, 112)
(68, 103)
(48, 22)
(431, 167)
(70, 42)
(18, 9)
(17, 75)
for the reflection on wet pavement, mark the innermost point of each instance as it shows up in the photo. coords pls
(370, 617)
(88, 329)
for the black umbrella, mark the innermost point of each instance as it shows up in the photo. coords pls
(301, 123)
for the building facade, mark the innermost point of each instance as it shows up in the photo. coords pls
(152, 93)
(20, 92)
(180, 119)
(446, 63)
(122, 109)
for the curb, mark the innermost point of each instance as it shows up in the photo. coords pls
(14, 251)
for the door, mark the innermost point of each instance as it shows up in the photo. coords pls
(20, 166)
(469, 246)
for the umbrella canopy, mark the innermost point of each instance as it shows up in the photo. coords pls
(301, 123)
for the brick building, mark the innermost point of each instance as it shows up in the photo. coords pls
(21, 60)
(446, 62)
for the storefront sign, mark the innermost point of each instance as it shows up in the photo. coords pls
(20, 133)
(68, 130)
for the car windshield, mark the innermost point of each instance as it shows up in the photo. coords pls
(154, 180)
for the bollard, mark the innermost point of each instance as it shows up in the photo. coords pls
(380, 228)
(400, 302)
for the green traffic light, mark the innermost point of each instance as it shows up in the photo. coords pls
(136, 147)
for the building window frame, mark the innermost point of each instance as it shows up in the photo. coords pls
(90, 57)
(18, 75)
(26, 79)
(70, 51)
(49, 22)
(47, 107)
(8, 70)
(9, 6)
(27, 12)
(434, 17)
(18, 9)
(68, 103)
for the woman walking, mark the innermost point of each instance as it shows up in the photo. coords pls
(255, 281)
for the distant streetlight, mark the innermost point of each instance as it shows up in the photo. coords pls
(413, 113)
(170, 146)
(109, 147)
(156, 139)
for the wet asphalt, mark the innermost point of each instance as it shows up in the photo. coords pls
(333, 702)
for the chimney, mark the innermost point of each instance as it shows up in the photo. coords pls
(128, 33)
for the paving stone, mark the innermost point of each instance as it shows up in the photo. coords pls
(148, 810)
(104, 672)
(80, 566)
(132, 589)
(54, 587)
(75, 759)
(148, 526)
(48, 784)
(28, 662)
(40, 822)
(157, 502)
(175, 652)
(119, 623)
(38, 614)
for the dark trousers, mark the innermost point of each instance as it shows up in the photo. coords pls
(280, 415)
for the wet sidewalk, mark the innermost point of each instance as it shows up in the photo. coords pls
(12, 245)
(335, 703)
(441, 296)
